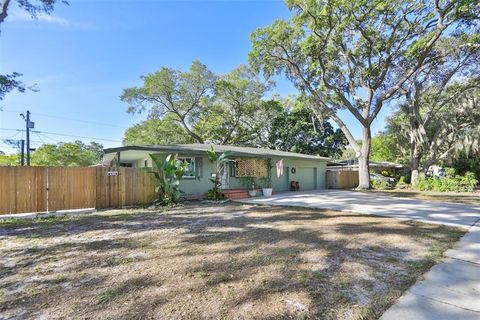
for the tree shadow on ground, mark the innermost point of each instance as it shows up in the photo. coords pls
(233, 261)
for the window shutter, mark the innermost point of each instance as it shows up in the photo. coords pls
(199, 167)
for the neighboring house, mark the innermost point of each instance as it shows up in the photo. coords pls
(343, 174)
(248, 163)
(375, 166)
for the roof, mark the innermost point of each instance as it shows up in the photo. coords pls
(198, 148)
(354, 163)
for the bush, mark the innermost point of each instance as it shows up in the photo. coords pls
(212, 195)
(385, 173)
(452, 183)
(378, 184)
(402, 182)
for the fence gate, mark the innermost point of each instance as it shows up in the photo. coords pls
(40, 189)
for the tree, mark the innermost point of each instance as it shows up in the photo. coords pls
(69, 154)
(433, 95)
(33, 7)
(199, 106)
(236, 114)
(300, 130)
(356, 55)
(8, 82)
(157, 131)
(9, 160)
(184, 96)
(385, 148)
(445, 125)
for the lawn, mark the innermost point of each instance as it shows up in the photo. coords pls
(201, 261)
(472, 198)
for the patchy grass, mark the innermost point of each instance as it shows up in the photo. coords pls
(457, 197)
(227, 261)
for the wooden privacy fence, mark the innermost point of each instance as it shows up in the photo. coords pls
(342, 179)
(41, 189)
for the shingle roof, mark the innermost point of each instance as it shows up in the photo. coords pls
(201, 148)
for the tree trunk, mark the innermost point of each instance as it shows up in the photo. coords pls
(364, 161)
(414, 163)
(414, 160)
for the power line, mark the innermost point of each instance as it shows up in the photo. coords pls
(63, 134)
(70, 119)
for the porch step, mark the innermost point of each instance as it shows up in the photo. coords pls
(235, 194)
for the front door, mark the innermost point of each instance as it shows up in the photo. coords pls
(225, 177)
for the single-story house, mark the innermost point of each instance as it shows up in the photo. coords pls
(375, 166)
(248, 163)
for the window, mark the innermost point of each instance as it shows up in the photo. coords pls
(190, 173)
(145, 163)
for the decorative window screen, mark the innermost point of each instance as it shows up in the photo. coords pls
(250, 168)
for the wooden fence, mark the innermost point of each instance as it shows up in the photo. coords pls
(342, 179)
(41, 189)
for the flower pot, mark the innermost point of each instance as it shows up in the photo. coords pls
(252, 193)
(267, 192)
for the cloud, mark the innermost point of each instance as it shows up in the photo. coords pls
(23, 16)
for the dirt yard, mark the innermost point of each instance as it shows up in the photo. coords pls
(213, 262)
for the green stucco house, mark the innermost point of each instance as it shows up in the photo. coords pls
(249, 164)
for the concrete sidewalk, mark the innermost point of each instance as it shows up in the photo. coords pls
(450, 290)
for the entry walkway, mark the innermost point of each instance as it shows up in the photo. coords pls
(450, 290)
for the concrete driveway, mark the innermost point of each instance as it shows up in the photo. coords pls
(450, 290)
(452, 214)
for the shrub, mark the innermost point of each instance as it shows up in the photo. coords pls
(452, 183)
(378, 184)
(402, 183)
(213, 194)
(449, 172)
(167, 175)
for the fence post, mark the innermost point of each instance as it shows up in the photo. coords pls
(46, 170)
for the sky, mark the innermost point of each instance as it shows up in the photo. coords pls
(81, 57)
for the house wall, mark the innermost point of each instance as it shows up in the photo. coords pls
(311, 174)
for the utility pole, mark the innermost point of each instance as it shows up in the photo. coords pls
(28, 125)
(22, 161)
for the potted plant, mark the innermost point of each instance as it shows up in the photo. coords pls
(267, 189)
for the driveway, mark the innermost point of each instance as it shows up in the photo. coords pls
(450, 290)
(451, 214)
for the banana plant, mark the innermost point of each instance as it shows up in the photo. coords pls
(221, 161)
(167, 175)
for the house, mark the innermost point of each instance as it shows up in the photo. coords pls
(375, 166)
(343, 174)
(248, 163)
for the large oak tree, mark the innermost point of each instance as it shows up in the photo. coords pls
(356, 55)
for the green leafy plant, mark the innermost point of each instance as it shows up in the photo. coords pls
(452, 183)
(402, 183)
(167, 175)
(220, 161)
(213, 194)
(379, 184)
(385, 173)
